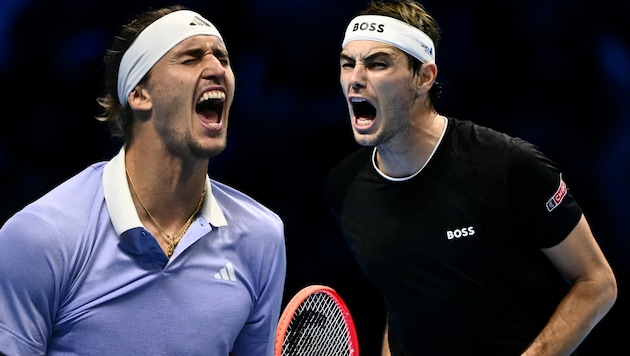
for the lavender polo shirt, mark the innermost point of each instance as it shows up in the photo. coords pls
(80, 275)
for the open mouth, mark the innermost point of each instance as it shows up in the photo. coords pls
(210, 106)
(362, 109)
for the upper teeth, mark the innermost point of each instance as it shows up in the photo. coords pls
(216, 94)
(357, 100)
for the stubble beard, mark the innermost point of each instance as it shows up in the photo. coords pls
(201, 152)
(185, 144)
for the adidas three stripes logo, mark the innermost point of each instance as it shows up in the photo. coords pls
(226, 273)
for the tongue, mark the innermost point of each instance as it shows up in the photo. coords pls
(209, 116)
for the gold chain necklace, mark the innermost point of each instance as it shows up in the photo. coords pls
(172, 241)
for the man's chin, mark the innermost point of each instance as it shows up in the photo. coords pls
(209, 151)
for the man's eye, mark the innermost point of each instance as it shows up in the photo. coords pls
(347, 65)
(377, 65)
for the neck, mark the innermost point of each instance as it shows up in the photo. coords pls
(410, 153)
(169, 188)
(170, 239)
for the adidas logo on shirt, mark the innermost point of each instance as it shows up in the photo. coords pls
(226, 273)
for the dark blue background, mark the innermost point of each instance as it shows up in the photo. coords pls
(554, 72)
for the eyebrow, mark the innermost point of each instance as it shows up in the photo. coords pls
(345, 57)
(368, 58)
(199, 51)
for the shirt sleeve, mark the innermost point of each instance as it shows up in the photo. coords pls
(540, 202)
(30, 271)
(258, 335)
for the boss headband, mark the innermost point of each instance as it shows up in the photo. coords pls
(389, 30)
(154, 41)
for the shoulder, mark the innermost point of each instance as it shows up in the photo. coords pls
(52, 227)
(259, 230)
(467, 131)
(234, 203)
(60, 214)
(70, 199)
(349, 167)
(343, 176)
(472, 141)
(480, 155)
(355, 160)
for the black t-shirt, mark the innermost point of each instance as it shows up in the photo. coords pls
(455, 250)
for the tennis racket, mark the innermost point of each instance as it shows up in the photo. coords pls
(316, 322)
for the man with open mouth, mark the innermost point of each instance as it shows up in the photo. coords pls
(471, 236)
(144, 254)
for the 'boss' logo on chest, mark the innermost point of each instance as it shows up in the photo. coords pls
(459, 233)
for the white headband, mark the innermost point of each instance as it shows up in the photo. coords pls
(389, 30)
(153, 43)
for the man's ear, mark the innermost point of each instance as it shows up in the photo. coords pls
(139, 99)
(427, 75)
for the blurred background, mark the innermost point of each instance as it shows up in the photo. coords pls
(554, 72)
